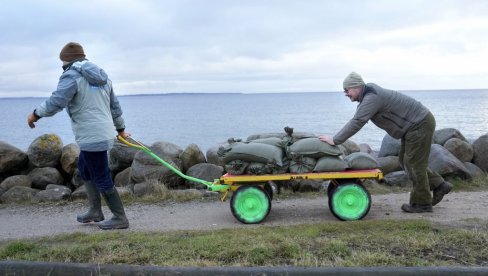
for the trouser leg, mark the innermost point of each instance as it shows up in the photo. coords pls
(94, 212)
(414, 155)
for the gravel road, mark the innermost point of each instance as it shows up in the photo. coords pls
(33, 221)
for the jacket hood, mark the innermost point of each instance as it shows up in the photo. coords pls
(91, 72)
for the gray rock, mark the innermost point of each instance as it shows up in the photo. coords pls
(122, 179)
(121, 156)
(365, 148)
(45, 150)
(389, 146)
(474, 171)
(69, 158)
(53, 193)
(442, 135)
(398, 179)
(460, 148)
(192, 155)
(212, 154)
(41, 177)
(144, 188)
(12, 159)
(16, 180)
(349, 147)
(76, 180)
(389, 164)
(445, 163)
(18, 194)
(79, 193)
(204, 171)
(480, 148)
(144, 167)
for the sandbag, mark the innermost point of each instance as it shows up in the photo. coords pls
(302, 164)
(330, 164)
(258, 169)
(252, 152)
(361, 161)
(236, 167)
(274, 141)
(313, 147)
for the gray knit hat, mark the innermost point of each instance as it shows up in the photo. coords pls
(71, 51)
(353, 80)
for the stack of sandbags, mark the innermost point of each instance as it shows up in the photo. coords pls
(312, 155)
(253, 158)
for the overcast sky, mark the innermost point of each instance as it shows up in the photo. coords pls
(247, 46)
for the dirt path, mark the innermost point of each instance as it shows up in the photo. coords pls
(37, 221)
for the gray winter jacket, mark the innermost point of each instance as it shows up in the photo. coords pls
(394, 112)
(86, 92)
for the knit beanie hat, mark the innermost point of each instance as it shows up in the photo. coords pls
(353, 80)
(71, 51)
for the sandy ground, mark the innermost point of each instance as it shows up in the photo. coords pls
(16, 222)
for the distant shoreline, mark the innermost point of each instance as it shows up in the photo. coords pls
(257, 93)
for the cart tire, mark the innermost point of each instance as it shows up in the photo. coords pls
(250, 204)
(349, 201)
(269, 190)
(330, 189)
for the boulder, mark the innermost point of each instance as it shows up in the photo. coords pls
(192, 155)
(69, 158)
(445, 163)
(205, 171)
(53, 193)
(398, 179)
(18, 194)
(41, 177)
(121, 156)
(460, 148)
(365, 148)
(45, 150)
(122, 179)
(16, 180)
(474, 171)
(213, 156)
(76, 180)
(389, 146)
(480, 149)
(442, 135)
(12, 159)
(389, 164)
(79, 193)
(144, 167)
(349, 147)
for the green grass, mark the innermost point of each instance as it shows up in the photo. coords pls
(358, 243)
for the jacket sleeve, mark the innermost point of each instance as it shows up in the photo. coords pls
(116, 111)
(370, 105)
(60, 98)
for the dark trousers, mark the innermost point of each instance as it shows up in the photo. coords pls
(414, 158)
(93, 166)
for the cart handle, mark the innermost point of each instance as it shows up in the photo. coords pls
(212, 186)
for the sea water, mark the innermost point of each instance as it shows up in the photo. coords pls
(208, 119)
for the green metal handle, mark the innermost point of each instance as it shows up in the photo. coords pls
(212, 186)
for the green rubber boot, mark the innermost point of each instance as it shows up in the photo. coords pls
(119, 220)
(94, 201)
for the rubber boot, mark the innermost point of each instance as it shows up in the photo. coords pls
(94, 201)
(119, 220)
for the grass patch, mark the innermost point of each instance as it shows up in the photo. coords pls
(357, 243)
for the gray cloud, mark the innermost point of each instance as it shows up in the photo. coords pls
(246, 46)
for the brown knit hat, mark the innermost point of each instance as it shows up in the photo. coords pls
(71, 51)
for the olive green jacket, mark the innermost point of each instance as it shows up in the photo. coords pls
(390, 110)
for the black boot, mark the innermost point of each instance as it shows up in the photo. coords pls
(94, 201)
(440, 192)
(119, 220)
(416, 208)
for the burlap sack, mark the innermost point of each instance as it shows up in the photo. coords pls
(330, 164)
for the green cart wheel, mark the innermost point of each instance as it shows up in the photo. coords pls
(250, 204)
(349, 201)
